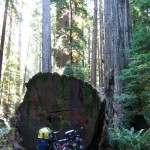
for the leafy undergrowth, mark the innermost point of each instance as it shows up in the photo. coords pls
(6, 137)
(124, 139)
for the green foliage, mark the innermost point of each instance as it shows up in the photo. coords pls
(60, 2)
(136, 97)
(70, 38)
(11, 86)
(77, 71)
(139, 11)
(3, 129)
(81, 11)
(123, 139)
(10, 82)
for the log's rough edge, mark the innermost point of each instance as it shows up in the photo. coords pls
(100, 127)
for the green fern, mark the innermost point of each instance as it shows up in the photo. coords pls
(123, 139)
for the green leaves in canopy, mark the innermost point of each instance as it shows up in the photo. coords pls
(75, 46)
(60, 2)
(70, 30)
(81, 11)
(139, 11)
(77, 34)
(141, 38)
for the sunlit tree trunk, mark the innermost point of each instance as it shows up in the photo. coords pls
(25, 67)
(3, 36)
(101, 49)
(40, 57)
(89, 45)
(94, 46)
(71, 38)
(108, 24)
(46, 37)
(20, 42)
(9, 37)
(99, 61)
(8, 49)
(19, 82)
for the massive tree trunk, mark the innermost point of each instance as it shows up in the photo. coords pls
(10, 36)
(120, 37)
(94, 46)
(3, 36)
(46, 37)
(101, 45)
(61, 103)
(117, 37)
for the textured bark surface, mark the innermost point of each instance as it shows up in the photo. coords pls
(117, 37)
(46, 37)
(3, 36)
(61, 103)
(101, 46)
(120, 38)
(94, 46)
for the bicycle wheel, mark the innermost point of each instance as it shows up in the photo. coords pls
(69, 147)
(52, 147)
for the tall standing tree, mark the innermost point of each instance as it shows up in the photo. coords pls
(3, 36)
(101, 45)
(94, 46)
(11, 75)
(46, 37)
(117, 37)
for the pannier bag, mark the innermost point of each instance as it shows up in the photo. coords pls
(44, 133)
(42, 144)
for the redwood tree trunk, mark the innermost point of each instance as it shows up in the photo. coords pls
(101, 65)
(121, 38)
(46, 37)
(94, 46)
(89, 45)
(117, 37)
(9, 37)
(3, 36)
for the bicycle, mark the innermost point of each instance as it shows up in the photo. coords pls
(72, 141)
(55, 143)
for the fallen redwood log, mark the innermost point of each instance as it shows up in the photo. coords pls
(61, 103)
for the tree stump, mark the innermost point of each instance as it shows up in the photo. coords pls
(61, 103)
